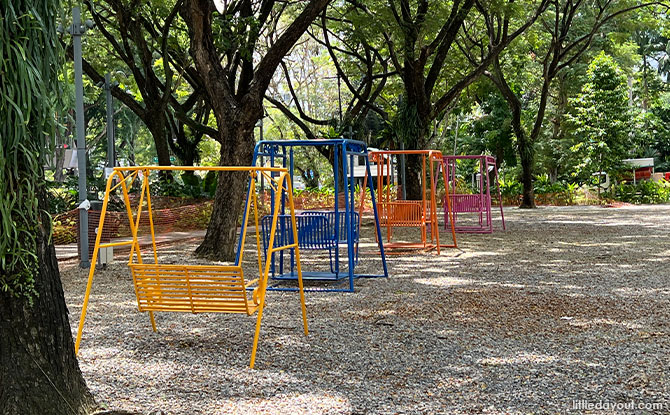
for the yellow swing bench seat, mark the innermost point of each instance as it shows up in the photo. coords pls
(193, 289)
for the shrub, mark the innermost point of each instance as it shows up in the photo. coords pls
(186, 185)
(64, 231)
(543, 185)
(510, 188)
(643, 192)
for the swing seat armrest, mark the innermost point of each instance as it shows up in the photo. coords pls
(250, 283)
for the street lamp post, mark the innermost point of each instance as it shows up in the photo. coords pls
(77, 30)
(111, 151)
(339, 93)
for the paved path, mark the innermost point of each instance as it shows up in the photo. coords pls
(69, 251)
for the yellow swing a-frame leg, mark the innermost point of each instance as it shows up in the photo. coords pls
(136, 244)
(96, 249)
(283, 180)
(153, 237)
(289, 187)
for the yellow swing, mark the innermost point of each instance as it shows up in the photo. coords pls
(197, 288)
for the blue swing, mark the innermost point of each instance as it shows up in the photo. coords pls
(319, 230)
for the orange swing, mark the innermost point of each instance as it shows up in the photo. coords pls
(396, 212)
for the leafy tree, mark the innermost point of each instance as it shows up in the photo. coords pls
(148, 40)
(236, 73)
(650, 44)
(333, 50)
(564, 34)
(654, 127)
(39, 373)
(492, 132)
(345, 56)
(439, 49)
(603, 117)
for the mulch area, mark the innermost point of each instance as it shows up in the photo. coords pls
(570, 304)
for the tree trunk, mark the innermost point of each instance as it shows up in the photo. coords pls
(414, 163)
(524, 141)
(185, 149)
(236, 96)
(557, 132)
(221, 237)
(40, 373)
(413, 177)
(60, 161)
(527, 156)
(158, 129)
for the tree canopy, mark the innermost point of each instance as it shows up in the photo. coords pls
(503, 78)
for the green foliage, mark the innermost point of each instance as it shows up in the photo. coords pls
(193, 184)
(209, 183)
(28, 77)
(65, 231)
(602, 117)
(510, 187)
(492, 132)
(186, 185)
(557, 193)
(404, 127)
(62, 197)
(646, 191)
(657, 128)
(199, 219)
(543, 184)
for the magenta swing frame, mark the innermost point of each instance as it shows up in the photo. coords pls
(477, 203)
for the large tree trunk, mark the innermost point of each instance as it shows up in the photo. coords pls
(158, 128)
(221, 237)
(413, 177)
(527, 157)
(524, 141)
(39, 370)
(414, 163)
(557, 131)
(236, 97)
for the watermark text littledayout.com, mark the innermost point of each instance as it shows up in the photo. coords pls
(619, 406)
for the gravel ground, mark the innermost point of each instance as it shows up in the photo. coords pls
(568, 306)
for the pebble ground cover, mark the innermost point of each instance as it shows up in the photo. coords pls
(569, 305)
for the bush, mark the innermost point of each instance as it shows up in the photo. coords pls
(62, 196)
(510, 188)
(209, 184)
(644, 192)
(543, 185)
(64, 231)
(546, 193)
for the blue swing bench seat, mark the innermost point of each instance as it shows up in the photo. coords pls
(316, 232)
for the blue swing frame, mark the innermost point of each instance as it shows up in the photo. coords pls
(344, 152)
